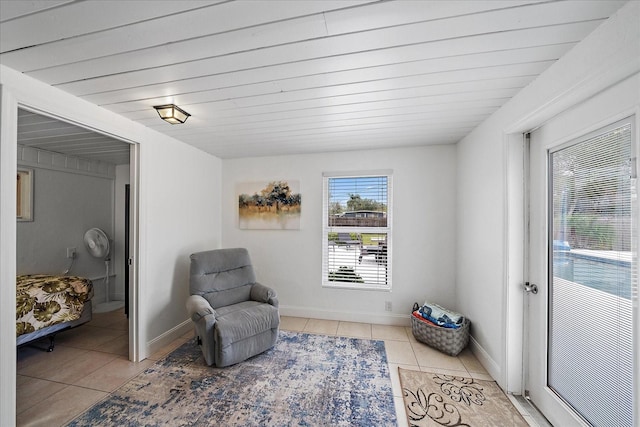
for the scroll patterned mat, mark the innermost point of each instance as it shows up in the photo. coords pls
(305, 380)
(444, 400)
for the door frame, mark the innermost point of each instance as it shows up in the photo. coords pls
(10, 102)
(569, 415)
(132, 270)
(516, 242)
(8, 168)
(516, 171)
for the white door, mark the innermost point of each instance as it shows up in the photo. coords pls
(583, 223)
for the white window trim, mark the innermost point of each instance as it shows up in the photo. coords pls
(387, 230)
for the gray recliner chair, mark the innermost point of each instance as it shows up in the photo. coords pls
(235, 317)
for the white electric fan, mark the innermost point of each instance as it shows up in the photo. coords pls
(97, 244)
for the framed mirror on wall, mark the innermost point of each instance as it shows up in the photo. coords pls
(24, 195)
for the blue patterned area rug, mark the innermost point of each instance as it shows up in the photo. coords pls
(305, 380)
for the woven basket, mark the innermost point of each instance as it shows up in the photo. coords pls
(447, 340)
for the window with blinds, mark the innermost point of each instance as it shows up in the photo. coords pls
(593, 274)
(357, 230)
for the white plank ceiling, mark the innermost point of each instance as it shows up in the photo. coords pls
(282, 77)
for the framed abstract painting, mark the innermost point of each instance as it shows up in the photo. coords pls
(269, 205)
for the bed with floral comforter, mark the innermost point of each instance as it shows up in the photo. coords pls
(46, 304)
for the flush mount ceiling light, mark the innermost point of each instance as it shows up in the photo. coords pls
(172, 113)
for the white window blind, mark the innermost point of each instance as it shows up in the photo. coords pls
(357, 230)
(591, 283)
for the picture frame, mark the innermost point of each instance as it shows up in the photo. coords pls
(24, 194)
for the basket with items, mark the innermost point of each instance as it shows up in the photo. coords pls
(440, 328)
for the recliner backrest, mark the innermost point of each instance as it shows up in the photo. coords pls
(222, 276)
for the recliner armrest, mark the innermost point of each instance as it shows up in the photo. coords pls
(274, 301)
(262, 293)
(198, 307)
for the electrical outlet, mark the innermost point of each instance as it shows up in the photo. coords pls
(71, 252)
(387, 305)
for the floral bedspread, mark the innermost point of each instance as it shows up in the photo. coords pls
(44, 300)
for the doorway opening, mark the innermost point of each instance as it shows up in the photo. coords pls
(82, 180)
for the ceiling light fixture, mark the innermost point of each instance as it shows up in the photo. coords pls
(172, 113)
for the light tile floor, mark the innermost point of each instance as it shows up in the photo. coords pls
(90, 362)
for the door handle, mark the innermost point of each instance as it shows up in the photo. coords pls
(530, 288)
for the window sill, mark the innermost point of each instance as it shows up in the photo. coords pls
(356, 287)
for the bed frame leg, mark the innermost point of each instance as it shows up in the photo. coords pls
(51, 343)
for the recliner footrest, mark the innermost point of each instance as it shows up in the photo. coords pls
(244, 320)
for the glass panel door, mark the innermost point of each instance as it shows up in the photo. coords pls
(590, 334)
(583, 324)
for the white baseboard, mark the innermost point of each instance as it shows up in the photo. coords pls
(486, 361)
(171, 335)
(314, 313)
(346, 316)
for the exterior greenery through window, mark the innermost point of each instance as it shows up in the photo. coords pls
(357, 230)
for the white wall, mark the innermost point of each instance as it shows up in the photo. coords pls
(610, 54)
(66, 204)
(182, 189)
(72, 195)
(423, 227)
(179, 213)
